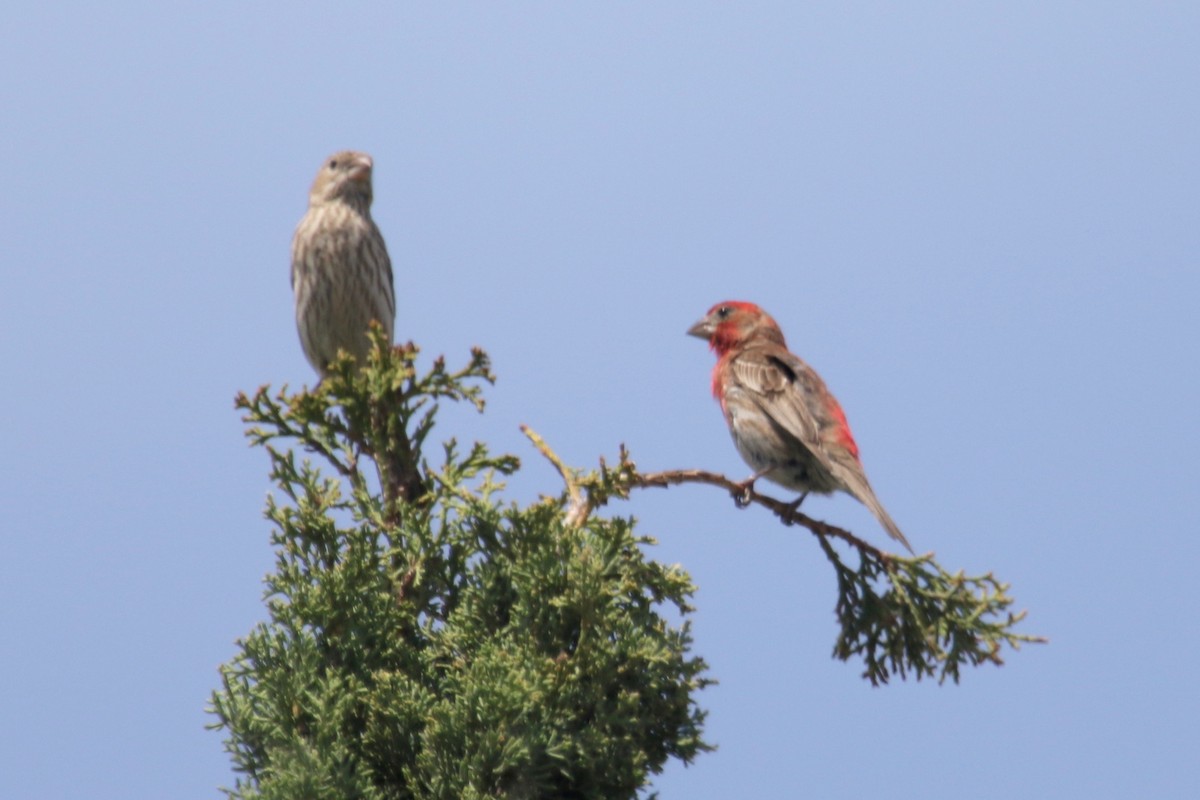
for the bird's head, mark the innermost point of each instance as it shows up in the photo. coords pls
(343, 176)
(735, 323)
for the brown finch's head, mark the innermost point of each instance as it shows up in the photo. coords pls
(733, 324)
(344, 176)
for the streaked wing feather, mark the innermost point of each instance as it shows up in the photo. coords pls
(772, 381)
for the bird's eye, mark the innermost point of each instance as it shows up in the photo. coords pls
(723, 311)
(333, 163)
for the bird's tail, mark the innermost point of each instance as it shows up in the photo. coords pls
(855, 481)
(885, 519)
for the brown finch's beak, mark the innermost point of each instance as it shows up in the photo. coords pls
(703, 329)
(362, 169)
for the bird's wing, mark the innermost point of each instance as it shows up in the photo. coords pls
(387, 261)
(779, 382)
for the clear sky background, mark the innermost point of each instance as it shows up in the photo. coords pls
(977, 220)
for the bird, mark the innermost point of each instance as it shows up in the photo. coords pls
(785, 423)
(341, 273)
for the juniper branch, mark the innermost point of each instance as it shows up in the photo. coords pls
(899, 614)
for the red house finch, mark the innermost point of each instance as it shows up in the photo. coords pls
(341, 273)
(785, 423)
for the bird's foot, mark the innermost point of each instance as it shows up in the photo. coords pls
(744, 492)
(792, 508)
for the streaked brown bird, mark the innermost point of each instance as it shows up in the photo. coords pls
(341, 273)
(785, 423)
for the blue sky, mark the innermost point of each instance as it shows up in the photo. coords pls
(978, 221)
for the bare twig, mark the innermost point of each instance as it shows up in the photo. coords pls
(579, 509)
(743, 496)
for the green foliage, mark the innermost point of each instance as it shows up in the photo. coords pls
(904, 615)
(427, 640)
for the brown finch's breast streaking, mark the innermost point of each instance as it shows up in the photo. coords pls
(785, 423)
(341, 273)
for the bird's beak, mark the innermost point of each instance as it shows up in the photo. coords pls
(703, 329)
(362, 169)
